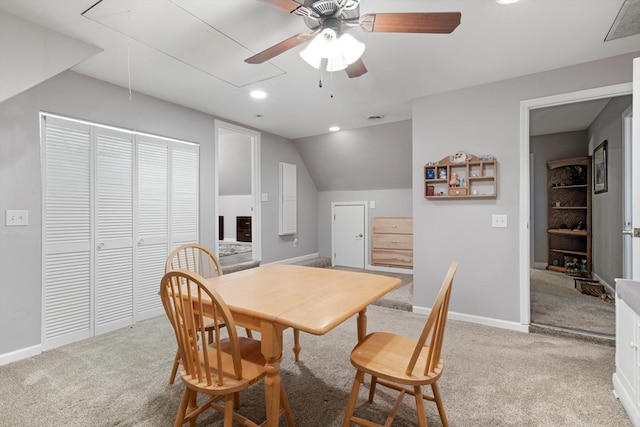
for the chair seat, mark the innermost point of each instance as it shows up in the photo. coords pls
(387, 356)
(252, 361)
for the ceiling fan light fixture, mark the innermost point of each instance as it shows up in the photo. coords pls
(351, 48)
(339, 52)
(336, 62)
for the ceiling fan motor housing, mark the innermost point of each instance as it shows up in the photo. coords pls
(332, 13)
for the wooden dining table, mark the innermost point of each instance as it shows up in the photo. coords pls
(274, 297)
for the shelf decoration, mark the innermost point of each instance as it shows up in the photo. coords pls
(462, 175)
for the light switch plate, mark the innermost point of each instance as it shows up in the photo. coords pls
(372, 204)
(17, 217)
(499, 221)
(265, 197)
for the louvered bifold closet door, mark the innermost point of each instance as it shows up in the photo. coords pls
(114, 229)
(184, 193)
(67, 233)
(152, 242)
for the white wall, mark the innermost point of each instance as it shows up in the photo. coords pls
(483, 119)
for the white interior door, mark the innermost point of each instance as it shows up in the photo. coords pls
(113, 229)
(635, 174)
(152, 223)
(349, 234)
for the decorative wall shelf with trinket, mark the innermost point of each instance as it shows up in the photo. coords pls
(462, 176)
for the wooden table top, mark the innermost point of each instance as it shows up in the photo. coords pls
(314, 300)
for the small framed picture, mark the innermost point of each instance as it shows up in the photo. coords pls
(600, 168)
(430, 190)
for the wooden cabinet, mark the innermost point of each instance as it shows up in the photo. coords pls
(243, 228)
(473, 177)
(392, 242)
(569, 216)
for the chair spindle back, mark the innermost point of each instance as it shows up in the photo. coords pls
(196, 258)
(185, 297)
(433, 331)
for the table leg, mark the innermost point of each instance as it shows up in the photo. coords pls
(362, 324)
(271, 336)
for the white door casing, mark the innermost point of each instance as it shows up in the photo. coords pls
(349, 234)
(635, 172)
(524, 234)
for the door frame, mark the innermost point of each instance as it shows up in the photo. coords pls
(364, 204)
(256, 221)
(525, 208)
(627, 166)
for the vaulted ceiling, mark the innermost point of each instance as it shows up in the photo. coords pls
(191, 52)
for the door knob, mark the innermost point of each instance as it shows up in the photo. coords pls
(100, 246)
(360, 235)
(140, 242)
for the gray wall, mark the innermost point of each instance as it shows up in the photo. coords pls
(607, 207)
(375, 157)
(74, 95)
(483, 119)
(282, 247)
(397, 202)
(544, 148)
(234, 164)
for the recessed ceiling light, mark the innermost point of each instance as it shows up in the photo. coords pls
(258, 94)
(507, 1)
(334, 128)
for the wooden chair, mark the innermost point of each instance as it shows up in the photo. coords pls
(404, 364)
(198, 259)
(220, 369)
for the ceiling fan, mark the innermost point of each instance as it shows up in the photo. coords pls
(333, 18)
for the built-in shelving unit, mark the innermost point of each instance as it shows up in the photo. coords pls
(569, 216)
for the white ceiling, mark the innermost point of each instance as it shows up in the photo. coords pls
(191, 52)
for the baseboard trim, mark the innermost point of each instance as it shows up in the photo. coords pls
(480, 320)
(295, 260)
(389, 269)
(23, 353)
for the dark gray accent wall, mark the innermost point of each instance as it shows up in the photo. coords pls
(544, 148)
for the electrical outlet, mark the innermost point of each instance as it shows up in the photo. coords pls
(265, 197)
(499, 221)
(17, 217)
(295, 243)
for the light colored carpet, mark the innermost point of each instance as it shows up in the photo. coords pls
(555, 302)
(492, 377)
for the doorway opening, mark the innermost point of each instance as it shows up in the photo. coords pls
(237, 195)
(533, 264)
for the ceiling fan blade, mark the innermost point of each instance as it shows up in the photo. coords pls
(288, 6)
(436, 22)
(279, 48)
(356, 69)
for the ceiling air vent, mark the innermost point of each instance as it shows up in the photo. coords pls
(375, 117)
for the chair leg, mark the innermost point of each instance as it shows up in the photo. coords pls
(228, 410)
(296, 344)
(422, 415)
(182, 410)
(284, 400)
(353, 398)
(372, 389)
(438, 398)
(174, 370)
(249, 333)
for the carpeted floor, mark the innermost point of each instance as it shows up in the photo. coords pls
(555, 302)
(492, 377)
